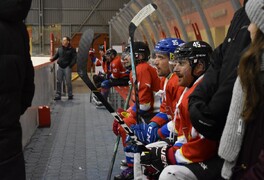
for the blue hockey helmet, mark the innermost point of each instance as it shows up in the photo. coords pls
(167, 46)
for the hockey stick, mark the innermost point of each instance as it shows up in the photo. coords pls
(82, 57)
(139, 17)
(91, 72)
(118, 137)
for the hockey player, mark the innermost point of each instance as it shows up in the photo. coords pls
(104, 73)
(94, 59)
(191, 61)
(148, 85)
(101, 61)
(164, 52)
(118, 77)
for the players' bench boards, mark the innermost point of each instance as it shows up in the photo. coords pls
(118, 96)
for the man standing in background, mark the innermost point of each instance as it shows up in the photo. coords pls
(66, 56)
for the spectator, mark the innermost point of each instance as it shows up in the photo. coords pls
(66, 56)
(191, 61)
(242, 144)
(210, 101)
(148, 85)
(17, 90)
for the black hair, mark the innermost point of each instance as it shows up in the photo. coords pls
(68, 39)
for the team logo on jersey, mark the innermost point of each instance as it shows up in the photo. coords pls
(171, 56)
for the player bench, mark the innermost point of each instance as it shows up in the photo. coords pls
(118, 95)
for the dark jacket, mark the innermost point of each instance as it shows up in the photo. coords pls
(250, 162)
(209, 103)
(16, 75)
(67, 56)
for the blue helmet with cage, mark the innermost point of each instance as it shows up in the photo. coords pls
(167, 46)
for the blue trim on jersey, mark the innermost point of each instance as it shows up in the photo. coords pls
(134, 108)
(164, 130)
(162, 116)
(178, 144)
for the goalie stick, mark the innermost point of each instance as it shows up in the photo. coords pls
(138, 18)
(82, 57)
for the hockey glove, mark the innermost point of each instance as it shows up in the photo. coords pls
(123, 114)
(131, 146)
(151, 132)
(139, 130)
(154, 160)
(115, 127)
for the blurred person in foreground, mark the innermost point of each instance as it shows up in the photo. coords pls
(17, 85)
(242, 144)
(210, 101)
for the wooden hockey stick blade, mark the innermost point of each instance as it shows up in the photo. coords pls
(140, 16)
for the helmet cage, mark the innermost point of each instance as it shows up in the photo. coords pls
(124, 55)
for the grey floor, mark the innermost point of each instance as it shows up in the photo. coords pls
(79, 144)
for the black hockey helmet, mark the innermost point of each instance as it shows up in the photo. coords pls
(194, 51)
(111, 52)
(141, 48)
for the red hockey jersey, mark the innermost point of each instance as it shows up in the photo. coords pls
(117, 69)
(169, 90)
(148, 85)
(190, 145)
